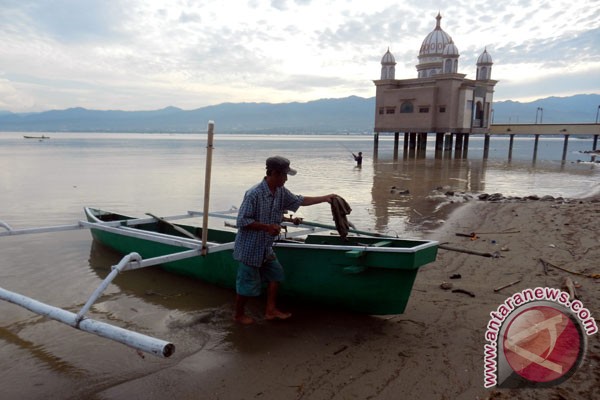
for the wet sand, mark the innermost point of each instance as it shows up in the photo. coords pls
(432, 351)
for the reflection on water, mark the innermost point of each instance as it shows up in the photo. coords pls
(419, 190)
(49, 182)
(415, 194)
(38, 351)
(156, 286)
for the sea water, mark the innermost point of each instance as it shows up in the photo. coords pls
(48, 182)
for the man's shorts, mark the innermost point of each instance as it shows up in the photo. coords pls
(250, 279)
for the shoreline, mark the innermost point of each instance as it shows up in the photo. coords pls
(433, 350)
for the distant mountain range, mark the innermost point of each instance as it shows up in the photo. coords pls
(344, 115)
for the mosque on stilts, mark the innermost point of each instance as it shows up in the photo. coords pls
(440, 100)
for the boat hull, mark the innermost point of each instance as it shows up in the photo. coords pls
(323, 270)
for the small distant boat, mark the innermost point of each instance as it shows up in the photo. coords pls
(36, 137)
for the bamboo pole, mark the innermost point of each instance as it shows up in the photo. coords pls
(209, 149)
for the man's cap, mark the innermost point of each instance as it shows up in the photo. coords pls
(280, 164)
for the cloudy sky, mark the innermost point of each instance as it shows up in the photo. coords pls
(150, 54)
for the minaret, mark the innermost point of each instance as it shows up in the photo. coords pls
(484, 66)
(388, 66)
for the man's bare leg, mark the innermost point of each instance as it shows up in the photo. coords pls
(240, 313)
(271, 311)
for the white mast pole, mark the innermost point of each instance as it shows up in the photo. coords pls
(209, 149)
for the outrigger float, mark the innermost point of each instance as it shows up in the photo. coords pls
(365, 272)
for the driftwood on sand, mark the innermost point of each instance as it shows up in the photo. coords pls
(476, 253)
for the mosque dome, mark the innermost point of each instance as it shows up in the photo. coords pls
(450, 50)
(435, 41)
(432, 51)
(388, 58)
(484, 58)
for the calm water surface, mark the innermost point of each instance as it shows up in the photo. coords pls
(49, 182)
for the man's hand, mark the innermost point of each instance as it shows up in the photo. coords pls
(272, 229)
(329, 197)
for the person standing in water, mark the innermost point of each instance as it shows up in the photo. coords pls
(358, 158)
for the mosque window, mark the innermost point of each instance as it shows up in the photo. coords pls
(483, 73)
(390, 110)
(423, 110)
(448, 66)
(442, 109)
(381, 109)
(406, 107)
(479, 111)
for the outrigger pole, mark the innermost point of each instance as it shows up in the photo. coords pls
(79, 321)
(136, 340)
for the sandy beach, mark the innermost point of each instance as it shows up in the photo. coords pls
(432, 351)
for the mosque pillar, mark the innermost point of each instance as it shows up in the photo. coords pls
(486, 146)
(510, 145)
(396, 140)
(412, 144)
(412, 141)
(422, 144)
(535, 146)
(448, 142)
(439, 144)
(566, 144)
(375, 145)
(458, 145)
(439, 141)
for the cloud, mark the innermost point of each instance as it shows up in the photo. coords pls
(141, 54)
(580, 81)
(67, 20)
(186, 17)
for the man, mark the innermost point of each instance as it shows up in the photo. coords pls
(358, 159)
(259, 223)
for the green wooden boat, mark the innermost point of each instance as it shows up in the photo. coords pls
(365, 273)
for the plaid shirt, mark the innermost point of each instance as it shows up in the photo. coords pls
(260, 205)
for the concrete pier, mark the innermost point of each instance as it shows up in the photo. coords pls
(415, 143)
